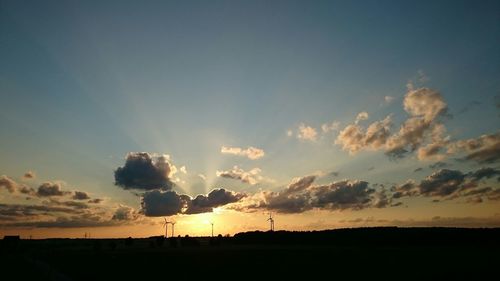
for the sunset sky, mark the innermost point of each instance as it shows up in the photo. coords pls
(329, 114)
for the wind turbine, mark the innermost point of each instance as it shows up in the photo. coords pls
(173, 224)
(212, 228)
(165, 224)
(271, 221)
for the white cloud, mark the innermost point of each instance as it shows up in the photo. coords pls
(183, 170)
(327, 127)
(307, 133)
(251, 152)
(251, 177)
(388, 99)
(361, 116)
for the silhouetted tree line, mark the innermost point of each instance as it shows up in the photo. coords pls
(376, 236)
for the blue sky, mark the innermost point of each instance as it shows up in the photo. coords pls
(83, 83)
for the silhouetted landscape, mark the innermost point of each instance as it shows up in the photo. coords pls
(381, 252)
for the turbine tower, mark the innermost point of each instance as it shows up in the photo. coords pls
(173, 224)
(271, 221)
(165, 224)
(212, 228)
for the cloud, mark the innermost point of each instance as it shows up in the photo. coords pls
(406, 189)
(29, 175)
(289, 133)
(81, 195)
(125, 213)
(301, 195)
(419, 169)
(388, 99)
(450, 184)
(342, 195)
(251, 177)
(438, 165)
(299, 184)
(72, 204)
(354, 138)
(23, 211)
(307, 133)
(8, 183)
(334, 126)
(424, 107)
(422, 132)
(47, 189)
(145, 171)
(158, 203)
(95, 201)
(251, 152)
(183, 170)
(216, 198)
(17, 215)
(484, 149)
(485, 173)
(442, 183)
(361, 116)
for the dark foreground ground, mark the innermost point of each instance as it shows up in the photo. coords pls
(371, 253)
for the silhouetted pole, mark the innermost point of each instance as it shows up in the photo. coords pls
(212, 229)
(173, 224)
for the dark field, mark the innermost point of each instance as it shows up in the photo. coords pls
(374, 253)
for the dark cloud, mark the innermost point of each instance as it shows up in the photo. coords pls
(71, 204)
(406, 189)
(8, 183)
(334, 174)
(29, 175)
(144, 171)
(251, 177)
(419, 169)
(448, 184)
(50, 189)
(216, 198)
(299, 184)
(63, 214)
(485, 173)
(301, 196)
(382, 200)
(125, 213)
(442, 183)
(95, 201)
(158, 203)
(81, 195)
(484, 149)
(63, 222)
(343, 195)
(27, 190)
(20, 210)
(439, 165)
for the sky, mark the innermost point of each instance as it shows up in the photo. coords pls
(116, 115)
